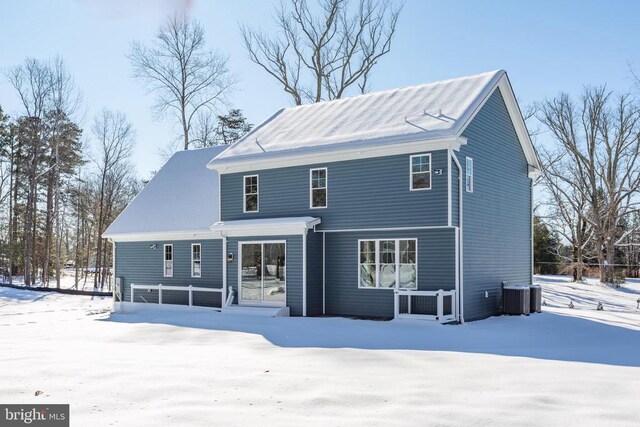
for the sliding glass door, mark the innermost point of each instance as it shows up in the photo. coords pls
(263, 273)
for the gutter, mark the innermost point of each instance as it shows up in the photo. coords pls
(460, 277)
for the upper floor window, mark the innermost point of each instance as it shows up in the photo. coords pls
(196, 260)
(468, 175)
(318, 188)
(420, 171)
(388, 264)
(251, 193)
(168, 261)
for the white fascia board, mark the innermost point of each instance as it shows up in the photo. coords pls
(331, 154)
(167, 235)
(259, 228)
(518, 122)
(534, 172)
(516, 118)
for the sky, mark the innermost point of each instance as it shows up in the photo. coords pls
(547, 47)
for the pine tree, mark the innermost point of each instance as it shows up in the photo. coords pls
(231, 127)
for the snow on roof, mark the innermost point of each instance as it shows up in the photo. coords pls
(181, 197)
(426, 111)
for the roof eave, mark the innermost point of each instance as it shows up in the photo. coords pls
(340, 152)
(147, 236)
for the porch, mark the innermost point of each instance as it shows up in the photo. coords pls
(437, 305)
(217, 301)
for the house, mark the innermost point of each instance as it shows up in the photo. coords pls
(163, 236)
(408, 202)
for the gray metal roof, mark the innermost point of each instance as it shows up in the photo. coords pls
(181, 197)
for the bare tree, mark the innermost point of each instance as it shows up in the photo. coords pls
(6, 177)
(34, 85)
(319, 57)
(65, 102)
(598, 150)
(182, 72)
(114, 137)
(204, 132)
(223, 129)
(565, 208)
(32, 80)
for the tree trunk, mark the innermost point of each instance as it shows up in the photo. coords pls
(99, 231)
(58, 233)
(603, 262)
(185, 128)
(76, 258)
(580, 266)
(48, 231)
(576, 263)
(34, 230)
(29, 223)
(611, 260)
(11, 215)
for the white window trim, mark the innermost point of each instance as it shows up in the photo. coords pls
(193, 261)
(326, 188)
(397, 257)
(164, 260)
(468, 189)
(411, 172)
(244, 193)
(241, 301)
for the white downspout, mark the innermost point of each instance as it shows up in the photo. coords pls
(324, 307)
(304, 273)
(114, 307)
(532, 242)
(460, 240)
(224, 271)
(449, 201)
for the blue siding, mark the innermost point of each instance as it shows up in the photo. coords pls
(436, 270)
(293, 261)
(137, 262)
(366, 193)
(314, 274)
(497, 215)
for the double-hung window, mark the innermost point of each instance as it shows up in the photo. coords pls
(420, 172)
(196, 260)
(388, 264)
(168, 260)
(318, 188)
(251, 193)
(468, 175)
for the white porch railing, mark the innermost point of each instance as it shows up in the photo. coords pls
(439, 295)
(190, 289)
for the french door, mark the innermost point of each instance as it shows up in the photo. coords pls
(262, 273)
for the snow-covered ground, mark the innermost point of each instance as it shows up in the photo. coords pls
(562, 367)
(67, 281)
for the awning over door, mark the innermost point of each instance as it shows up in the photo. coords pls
(266, 226)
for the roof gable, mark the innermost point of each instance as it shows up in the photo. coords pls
(181, 197)
(515, 114)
